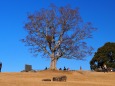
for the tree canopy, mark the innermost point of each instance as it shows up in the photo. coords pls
(58, 32)
(104, 55)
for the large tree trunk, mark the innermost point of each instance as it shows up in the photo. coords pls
(53, 62)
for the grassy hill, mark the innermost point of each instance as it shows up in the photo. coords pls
(74, 78)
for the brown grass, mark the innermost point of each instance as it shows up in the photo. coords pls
(75, 78)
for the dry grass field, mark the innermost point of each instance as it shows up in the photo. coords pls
(74, 78)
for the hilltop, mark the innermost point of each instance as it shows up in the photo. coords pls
(74, 78)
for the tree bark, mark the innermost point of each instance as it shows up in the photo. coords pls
(53, 62)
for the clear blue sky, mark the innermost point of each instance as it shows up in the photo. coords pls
(13, 13)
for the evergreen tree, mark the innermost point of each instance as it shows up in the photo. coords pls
(104, 55)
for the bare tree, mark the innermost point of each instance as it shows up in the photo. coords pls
(58, 32)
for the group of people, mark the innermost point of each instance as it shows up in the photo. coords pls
(64, 68)
(60, 68)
